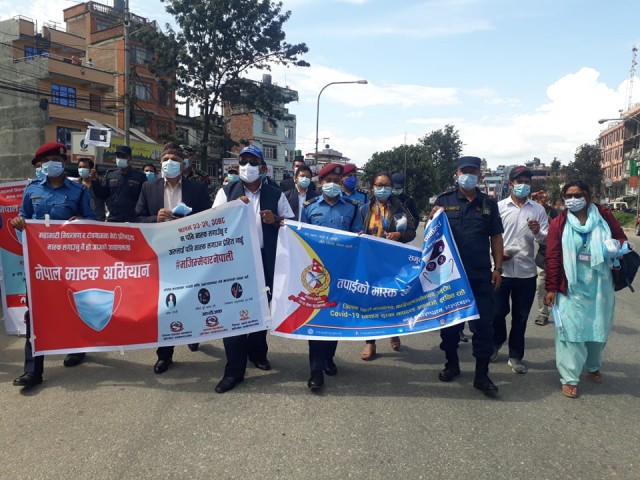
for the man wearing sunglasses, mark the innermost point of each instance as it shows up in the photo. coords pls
(270, 206)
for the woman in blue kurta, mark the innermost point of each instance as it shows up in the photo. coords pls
(579, 284)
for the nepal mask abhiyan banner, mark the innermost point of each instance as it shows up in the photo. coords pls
(97, 286)
(12, 278)
(335, 285)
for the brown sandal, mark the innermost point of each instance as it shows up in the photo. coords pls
(395, 343)
(369, 351)
(570, 391)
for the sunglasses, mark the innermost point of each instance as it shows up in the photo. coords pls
(253, 163)
(566, 196)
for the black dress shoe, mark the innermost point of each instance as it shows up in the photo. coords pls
(228, 383)
(162, 366)
(316, 380)
(73, 359)
(193, 347)
(262, 364)
(330, 368)
(463, 337)
(449, 373)
(485, 385)
(27, 380)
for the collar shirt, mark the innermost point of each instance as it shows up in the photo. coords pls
(302, 197)
(172, 195)
(516, 233)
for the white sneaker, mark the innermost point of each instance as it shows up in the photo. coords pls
(517, 366)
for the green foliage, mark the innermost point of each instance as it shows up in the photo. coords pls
(625, 219)
(586, 167)
(429, 164)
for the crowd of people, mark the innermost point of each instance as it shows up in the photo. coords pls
(496, 241)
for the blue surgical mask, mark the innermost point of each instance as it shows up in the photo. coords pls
(521, 190)
(350, 182)
(233, 178)
(170, 168)
(53, 168)
(40, 175)
(575, 204)
(382, 193)
(304, 182)
(263, 176)
(150, 175)
(331, 190)
(83, 172)
(122, 162)
(94, 306)
(397, 191)
(467, 181)
(186, 162)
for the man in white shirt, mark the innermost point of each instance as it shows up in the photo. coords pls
(524, 221)
(301, 192)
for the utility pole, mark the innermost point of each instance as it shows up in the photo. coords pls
(127, 67)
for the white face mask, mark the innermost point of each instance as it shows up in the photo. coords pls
(170, 168)
(575, 204)
(249, 173)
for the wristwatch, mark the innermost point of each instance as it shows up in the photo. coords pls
(497, 269)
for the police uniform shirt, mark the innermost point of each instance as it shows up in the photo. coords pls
(62, 203)
(342, 215)
(121, 190)
(472, 223)
(357, 196)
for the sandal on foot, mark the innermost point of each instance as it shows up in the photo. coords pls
(570, 391)
(542, 321)
(395, 343)
(369, 351)
(595, 377)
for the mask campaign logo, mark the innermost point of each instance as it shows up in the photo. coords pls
(316, 280)
(244, 315)
(95, 306)
(212, 321)
(440, 267)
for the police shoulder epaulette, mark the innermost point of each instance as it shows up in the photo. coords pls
(361, 191)
(353, 202)
(309, 202)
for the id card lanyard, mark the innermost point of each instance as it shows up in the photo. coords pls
(584, 255)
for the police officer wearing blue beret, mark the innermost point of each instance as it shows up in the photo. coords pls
(54, 195)
(477, 230)
(120, 188)
(332, 210)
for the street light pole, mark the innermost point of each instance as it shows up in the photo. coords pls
(127, 100)
(360, 82)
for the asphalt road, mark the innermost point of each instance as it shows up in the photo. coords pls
(111, 417)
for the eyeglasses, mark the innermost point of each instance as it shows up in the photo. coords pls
(253, 163)
(566, 196)
(379, 185)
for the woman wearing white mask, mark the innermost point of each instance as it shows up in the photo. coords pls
(385, 216)
(580, 284)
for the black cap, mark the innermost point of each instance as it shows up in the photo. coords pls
(123, 150)
(398, 180)
(519, 172)
(468, 162)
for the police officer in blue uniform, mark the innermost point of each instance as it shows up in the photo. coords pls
(349, 182)
(477, 230)
(332, 210)
(120, 188)
(61, 199)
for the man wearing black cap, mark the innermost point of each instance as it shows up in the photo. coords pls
(524, 221)
(54, 195)
(397, 184)
(120, 188)
(270, 206)
(477, 230)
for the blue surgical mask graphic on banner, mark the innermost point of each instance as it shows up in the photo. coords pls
(439, 266)
(95, 306)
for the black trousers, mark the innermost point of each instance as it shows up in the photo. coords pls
(239, 349)
(320, 351)
(481, 328)
(522, 293)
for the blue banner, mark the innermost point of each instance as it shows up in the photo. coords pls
(331, 284)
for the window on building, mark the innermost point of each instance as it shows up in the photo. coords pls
(140, 121)
(164, 97)
(143, 91)
(95, 102)
(288, 132)
(268, 126)
(61, 95)
(140, 55)
(33, 52)
(270, 152)
(102, 25)
(163, 129)
(63, 135)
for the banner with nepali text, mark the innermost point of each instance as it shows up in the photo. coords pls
(107, 286)
(335, 285)
(12, 278)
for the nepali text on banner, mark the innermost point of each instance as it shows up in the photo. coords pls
(105, 286)
(12, 278)
(330, 284)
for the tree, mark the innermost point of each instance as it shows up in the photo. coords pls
(587, 166)
(429, 164)
(217, 42)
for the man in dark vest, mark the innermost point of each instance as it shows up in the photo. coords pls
(270, 206)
